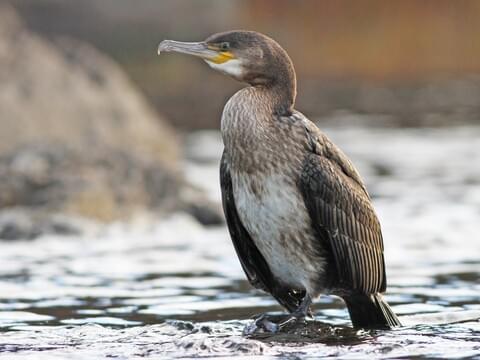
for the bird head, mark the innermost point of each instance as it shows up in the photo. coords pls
(247, 56)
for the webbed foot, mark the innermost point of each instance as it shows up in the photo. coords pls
(275, 323)
(271, 323)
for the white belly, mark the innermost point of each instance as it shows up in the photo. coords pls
(277, 220)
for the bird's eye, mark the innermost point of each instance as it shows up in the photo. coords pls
(224, 46)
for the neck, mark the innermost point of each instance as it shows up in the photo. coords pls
(282, 93)
(280, 86)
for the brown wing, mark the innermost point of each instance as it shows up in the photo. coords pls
(343, 217)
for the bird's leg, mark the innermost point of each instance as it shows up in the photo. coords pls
(264, 322)
(300, 313)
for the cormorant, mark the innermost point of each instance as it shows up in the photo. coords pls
(299, 215)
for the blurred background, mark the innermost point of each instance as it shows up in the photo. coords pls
(82, 81)
(415, 62)
(106, 144)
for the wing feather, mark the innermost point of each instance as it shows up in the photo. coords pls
(342, 214)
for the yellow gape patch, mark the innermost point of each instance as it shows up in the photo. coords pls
(222, 57)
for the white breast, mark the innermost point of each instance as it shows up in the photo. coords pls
(276, 219)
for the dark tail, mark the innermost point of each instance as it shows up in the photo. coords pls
(370, 311)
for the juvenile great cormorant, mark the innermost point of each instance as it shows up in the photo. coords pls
(299, 215)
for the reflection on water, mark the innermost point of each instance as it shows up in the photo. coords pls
(175, 288)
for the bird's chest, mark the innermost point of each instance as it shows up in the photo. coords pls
(267, 204)
(254, 139)
(272, 211)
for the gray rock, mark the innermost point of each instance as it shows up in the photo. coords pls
(22, 224)
(76, 136)
(206, 212)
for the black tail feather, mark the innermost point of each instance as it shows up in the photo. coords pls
(370, 311)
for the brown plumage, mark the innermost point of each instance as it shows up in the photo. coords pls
(298, 213)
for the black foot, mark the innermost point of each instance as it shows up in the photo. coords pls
(272, 323)
(275, 323)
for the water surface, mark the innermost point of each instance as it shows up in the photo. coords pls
(172, 288)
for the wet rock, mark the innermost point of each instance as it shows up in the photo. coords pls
(182, 325)
(19, 224)
(312, 331)
(206, 212)
(16, 227)
(195, 202)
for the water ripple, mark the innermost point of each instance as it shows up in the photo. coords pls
(173, 288)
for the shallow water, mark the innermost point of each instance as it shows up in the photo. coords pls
(173, 288)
